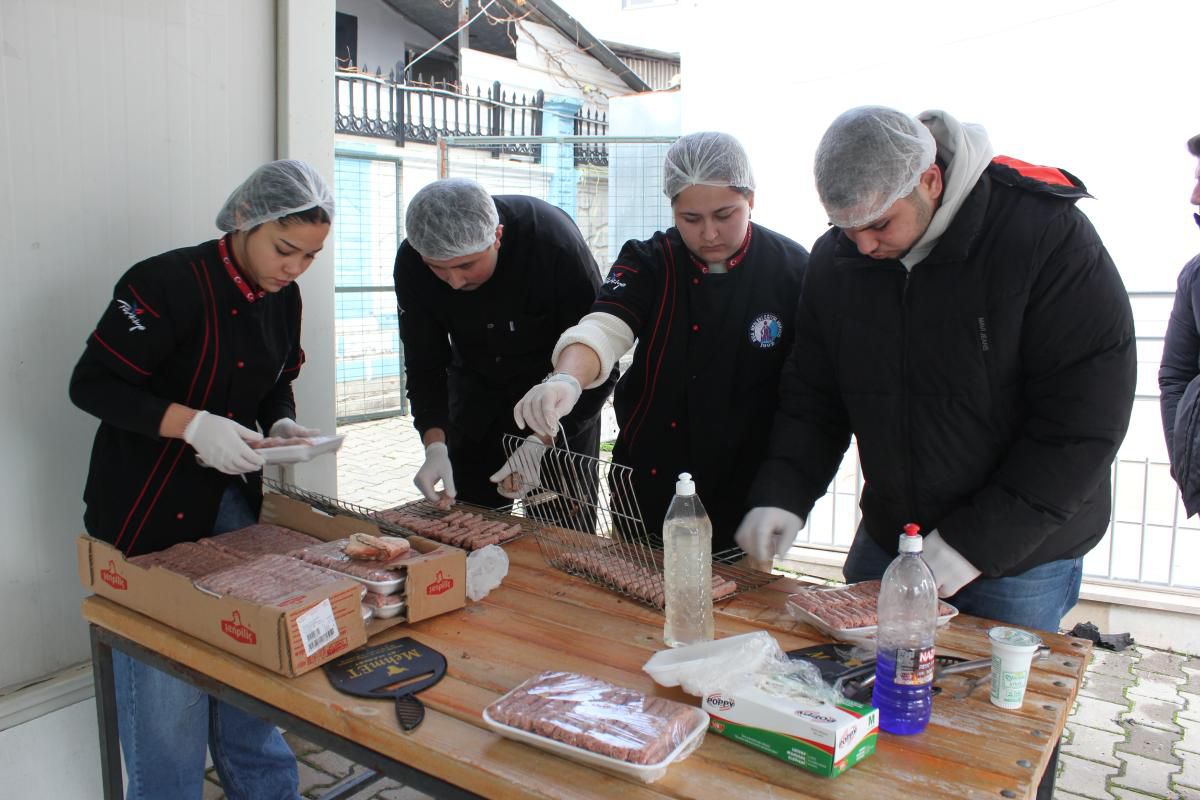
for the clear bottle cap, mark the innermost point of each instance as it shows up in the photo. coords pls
(685, 486)
(910, 540)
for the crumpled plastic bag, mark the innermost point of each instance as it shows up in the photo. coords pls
(722, 665)
(486, 568)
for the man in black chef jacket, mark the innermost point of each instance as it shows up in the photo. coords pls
(484, 286)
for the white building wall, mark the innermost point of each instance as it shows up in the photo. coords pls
(125, 124)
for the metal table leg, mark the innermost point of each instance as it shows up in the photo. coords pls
(106, 717)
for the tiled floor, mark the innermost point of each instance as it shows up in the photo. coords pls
(1134, 733)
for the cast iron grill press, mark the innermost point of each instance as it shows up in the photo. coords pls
(397, 669)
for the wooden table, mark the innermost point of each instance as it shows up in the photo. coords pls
(541, 618)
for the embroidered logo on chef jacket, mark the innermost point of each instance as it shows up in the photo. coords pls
(133, 313)
(614, 282)
(766, 330)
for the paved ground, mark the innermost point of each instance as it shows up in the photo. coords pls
(1134, 733)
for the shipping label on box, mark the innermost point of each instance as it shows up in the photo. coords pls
(820, 737)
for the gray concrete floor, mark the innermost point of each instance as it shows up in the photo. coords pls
(1134, 732)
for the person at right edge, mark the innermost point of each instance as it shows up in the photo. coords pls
(964, 322)
(1179, 373)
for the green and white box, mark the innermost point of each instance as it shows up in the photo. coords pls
(820, 737)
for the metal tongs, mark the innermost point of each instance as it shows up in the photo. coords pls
(860, 678)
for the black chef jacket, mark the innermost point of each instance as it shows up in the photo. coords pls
(183, 327)
(703, 388)
(470, 356)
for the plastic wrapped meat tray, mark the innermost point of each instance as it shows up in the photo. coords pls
(261, 539)
(847, 612)
(383, 577)
(599, 724)
(294, 450)
(192, 559)
(270, 580)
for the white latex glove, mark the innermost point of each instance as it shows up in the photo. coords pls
(545, 404)
(523, 470)
(286, 428)
(221, 444)
(950, 569)
(766, 532)
(436, 468)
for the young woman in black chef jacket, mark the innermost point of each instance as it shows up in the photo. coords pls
(709, 303)
(197, 348)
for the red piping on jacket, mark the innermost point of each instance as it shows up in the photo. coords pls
(647, 397)
(126, 361)
(142, 302)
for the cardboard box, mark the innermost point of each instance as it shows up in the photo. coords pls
(291, 638)
(820, 737)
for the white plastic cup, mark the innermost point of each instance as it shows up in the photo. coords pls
(1012, 656)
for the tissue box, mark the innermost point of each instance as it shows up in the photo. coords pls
(812, 734)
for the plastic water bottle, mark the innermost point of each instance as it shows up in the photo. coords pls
(904, 655)
(687, 568)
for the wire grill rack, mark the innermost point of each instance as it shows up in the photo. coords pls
(589, 524)
(386, 520)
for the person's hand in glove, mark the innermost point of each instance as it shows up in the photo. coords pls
(286, 428)
(950, 569)
(545, 404)
(222, 444)
(437, 468)
(522, 473)
(767, 532)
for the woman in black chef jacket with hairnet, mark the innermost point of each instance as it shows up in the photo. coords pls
(710, 304)
(197, 347)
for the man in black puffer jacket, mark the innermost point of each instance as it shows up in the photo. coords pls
(963, 321)
(1179, 373)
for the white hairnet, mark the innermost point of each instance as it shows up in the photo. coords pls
(275, 190)
(707, 158)
(451, 218)
(869, 158)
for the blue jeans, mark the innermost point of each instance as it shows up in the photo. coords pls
(165, 725)
(1037, 598)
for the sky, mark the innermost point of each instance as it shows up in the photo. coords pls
(1103, 88)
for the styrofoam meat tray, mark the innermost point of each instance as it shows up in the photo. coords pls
(866, 632)
(386, 612)
(380, 587)
(294, 453)
(647, 773)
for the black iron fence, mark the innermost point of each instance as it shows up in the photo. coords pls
(591, 123)
(379, 106)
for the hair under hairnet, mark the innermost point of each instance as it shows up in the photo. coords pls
(707, 158)
(869, 158)
(275, 190)
(451, 218)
